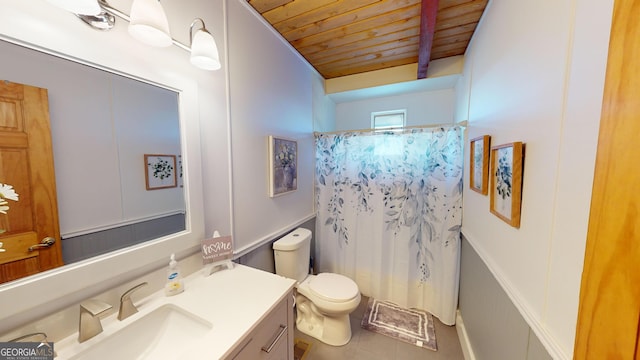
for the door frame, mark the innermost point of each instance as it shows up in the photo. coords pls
(609, 309)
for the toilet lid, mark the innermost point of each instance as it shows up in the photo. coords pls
(333, 287)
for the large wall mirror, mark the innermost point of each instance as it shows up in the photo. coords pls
(112, 137)
(130, 108)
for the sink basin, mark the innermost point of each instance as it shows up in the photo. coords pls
(164, 333)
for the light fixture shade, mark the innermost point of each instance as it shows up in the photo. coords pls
(80, 7)
(204, 52)
(148, 23)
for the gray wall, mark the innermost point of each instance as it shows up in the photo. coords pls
(494, 326)
(81, 247)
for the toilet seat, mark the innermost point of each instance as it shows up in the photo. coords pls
(333, 287)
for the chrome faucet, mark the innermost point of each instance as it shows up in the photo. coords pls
(90, 325)
(126, 305)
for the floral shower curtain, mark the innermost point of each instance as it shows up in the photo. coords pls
(389, 214)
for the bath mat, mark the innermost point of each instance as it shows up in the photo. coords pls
(300, 349)
(409, 325)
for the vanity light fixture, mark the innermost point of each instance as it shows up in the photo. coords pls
(204, 52)
(148, 23)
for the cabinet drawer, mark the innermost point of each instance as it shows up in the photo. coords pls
(270, 334)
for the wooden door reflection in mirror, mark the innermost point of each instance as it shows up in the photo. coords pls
(26, 163)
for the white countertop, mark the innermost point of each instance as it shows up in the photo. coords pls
(233, 301)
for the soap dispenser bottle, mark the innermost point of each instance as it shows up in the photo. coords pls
(174, 278)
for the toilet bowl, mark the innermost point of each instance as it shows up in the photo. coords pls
(329, 299)
(323, 301)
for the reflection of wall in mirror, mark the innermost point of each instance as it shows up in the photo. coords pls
(102, 124)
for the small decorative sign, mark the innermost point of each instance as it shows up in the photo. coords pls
(217, 249)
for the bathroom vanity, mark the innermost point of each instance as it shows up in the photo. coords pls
(271, 338)
(241, 313)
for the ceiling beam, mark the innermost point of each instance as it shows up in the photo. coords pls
(428, 14)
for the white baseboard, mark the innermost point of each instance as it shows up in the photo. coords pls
(467, 351)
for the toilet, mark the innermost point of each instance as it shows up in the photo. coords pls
(323, 301)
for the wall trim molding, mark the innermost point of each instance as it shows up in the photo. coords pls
(536, 324)
(463, 337)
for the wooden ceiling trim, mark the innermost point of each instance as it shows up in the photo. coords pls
(345, 50)
(351, 70)
(436, 54)
(334, 73)
(428, 15)
(374, 26)
(266, 5)
(366, 18)
(312, 21)
(293, 9)
(405, 52)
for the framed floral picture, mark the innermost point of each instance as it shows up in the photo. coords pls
(479, 164)
(160, 171)
(283, 166)
(506, 182)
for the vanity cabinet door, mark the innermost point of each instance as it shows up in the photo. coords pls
(272, 338)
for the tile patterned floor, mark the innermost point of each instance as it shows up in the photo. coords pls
(366, 345)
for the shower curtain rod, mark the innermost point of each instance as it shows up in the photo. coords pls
(461, 123)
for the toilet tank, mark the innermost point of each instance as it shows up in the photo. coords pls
(291, 253)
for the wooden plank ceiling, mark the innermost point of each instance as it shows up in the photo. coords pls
(345, 37)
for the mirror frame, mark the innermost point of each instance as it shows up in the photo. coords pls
(22, 23)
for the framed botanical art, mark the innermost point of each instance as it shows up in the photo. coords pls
(506, 182)
(160, 171)
(479, 164)
(283, 166)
